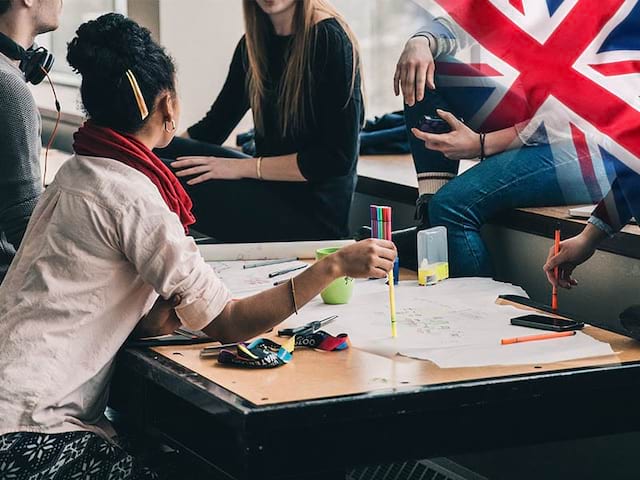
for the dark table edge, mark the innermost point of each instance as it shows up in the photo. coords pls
(190, 385)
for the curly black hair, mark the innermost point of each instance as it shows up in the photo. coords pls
(4, 6)
(102, 51)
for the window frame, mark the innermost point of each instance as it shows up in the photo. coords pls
(66, 79)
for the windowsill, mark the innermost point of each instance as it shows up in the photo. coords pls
(68, 96)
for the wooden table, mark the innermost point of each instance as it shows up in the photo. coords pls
(326, 412)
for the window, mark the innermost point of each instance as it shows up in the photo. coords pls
(382, 28)
(75, 13)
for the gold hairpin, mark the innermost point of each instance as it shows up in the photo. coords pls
(142, 106)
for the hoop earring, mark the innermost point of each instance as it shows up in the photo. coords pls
(173, 126)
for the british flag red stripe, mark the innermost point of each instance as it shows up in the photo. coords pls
(548, 69)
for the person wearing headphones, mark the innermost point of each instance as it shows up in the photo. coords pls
(21, 63)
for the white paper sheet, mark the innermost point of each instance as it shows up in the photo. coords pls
(528, 353)
(245, 282)
(454, 324)
(262, 251)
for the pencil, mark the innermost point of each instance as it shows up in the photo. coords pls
(392, 305)
(385, 214)
(288, 270)
(556, 271)
(531, 338)
(269, 262)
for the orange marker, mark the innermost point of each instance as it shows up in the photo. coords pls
(556, 271)
(531, 338)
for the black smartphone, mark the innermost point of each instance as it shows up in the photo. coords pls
(431, 124)
(547, 323)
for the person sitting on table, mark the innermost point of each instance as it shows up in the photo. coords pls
(20, 182)
(297, 68)
(106, 257)
(519, 168)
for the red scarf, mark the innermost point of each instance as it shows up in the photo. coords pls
(94, 141)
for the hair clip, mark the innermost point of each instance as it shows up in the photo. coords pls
(142, 106)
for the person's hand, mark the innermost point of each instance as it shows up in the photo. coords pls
(414, 71)
(572, 253)
(207, 168)
(460, 142)
(370, 258)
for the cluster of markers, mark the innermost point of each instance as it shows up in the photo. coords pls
(381, 228)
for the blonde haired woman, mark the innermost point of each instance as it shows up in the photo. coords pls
(297, 69)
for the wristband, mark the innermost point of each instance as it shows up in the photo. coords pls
(482, 154)
(259, 168)
(265, 353)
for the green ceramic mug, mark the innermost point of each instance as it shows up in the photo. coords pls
(340, 290)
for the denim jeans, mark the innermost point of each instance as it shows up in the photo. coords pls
(538, 176)
(530, 176)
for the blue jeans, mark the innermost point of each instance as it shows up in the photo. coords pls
(537, 176)
(531, 176)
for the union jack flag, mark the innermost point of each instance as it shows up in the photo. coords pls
(572, 66)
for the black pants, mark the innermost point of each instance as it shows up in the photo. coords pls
(246, 210)
(66, 456)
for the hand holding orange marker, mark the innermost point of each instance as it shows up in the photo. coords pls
(556, 271)
(531, 338)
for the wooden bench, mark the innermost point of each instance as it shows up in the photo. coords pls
(394, 177)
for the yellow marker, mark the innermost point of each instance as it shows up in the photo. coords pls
(392, 305)
(290, 345)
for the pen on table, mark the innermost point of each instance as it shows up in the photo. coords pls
(203, 239)
(556, 271)
(214, 350)
(288, 270)
(264, 263)
(531, 338)
(310, 327)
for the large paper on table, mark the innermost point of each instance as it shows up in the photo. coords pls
(245, 282)
(454, 324)
(262, 251)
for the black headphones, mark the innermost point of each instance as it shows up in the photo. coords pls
(35, 63)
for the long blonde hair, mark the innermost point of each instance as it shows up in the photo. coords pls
(297, 80)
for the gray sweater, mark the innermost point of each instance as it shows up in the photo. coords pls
(20, 145)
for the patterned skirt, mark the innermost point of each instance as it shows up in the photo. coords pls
(66, 456)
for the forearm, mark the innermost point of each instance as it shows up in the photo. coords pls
(282, 168)
(252, 316)
(161, 320)
(442, 38)
(501, 140)
(593, 235)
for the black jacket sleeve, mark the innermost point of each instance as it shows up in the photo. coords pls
(337, 109)
(230, 106)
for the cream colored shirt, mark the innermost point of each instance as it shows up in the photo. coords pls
(99, 249)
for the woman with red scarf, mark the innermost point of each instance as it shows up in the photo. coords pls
(105, 256)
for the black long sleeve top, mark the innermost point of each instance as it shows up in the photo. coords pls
(327, 149)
